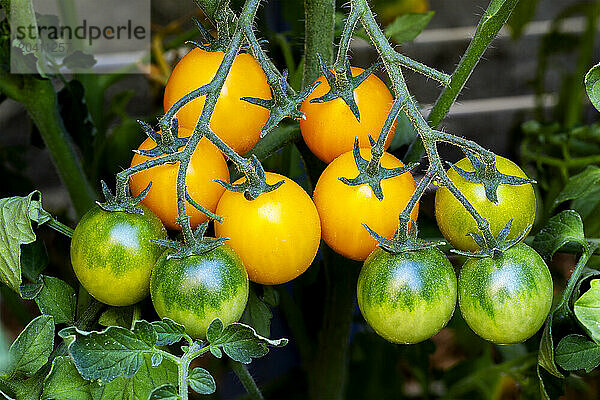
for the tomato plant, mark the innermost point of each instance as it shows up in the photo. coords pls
(516, 202)
(196, 289)
(206, 165)
(237, 122)
(330, 128)
(407, 297)
(343, 208)
(277, 234)
(506, 299)
(112, 255)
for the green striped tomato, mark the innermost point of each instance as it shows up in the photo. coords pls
(407, 297)
(506, 299)
(112, 255)
(196, 289)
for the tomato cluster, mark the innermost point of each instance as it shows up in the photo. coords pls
(406, 296)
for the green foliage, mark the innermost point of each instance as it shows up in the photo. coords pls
(587, 310)
(64, 382)
(408, 26)
(575, 352)
(202, 382)
(592, 85)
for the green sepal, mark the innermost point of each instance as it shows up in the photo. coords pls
(343, 88)
(403, 240)
(163, 146)
(208, 41)
(283, 105)
(128, 204)
(199, 246)
(252, 188)
(373, 178)
(499, 246)
(490, 179)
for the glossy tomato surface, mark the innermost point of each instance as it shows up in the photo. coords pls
(206, 164)
(330, 128)
(112, 255)
(237, 122)
(514, 201)
(407, 297)
(343, 208)
(277, 234)
(506, 299)
(194, 290)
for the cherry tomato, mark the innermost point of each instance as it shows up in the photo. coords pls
(514, 201)
(342, 208)
(237, 122)
(277, 234)
(194, 290)
(330, 128)
(506, 299)
(112, 254)
(407, 297)
(206, 164)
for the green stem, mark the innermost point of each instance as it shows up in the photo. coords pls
(318, 37)
(60, 227)
(39, 98)
(247, 381)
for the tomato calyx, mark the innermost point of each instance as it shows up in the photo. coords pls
(255, 183)
(404, 239)
(343, 85)
(497, 247)
(126, 204)
(199, 244)
(284, 104)
(167, 142)
(489, 176)
(371, 172)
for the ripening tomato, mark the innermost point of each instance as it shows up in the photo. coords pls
(237, 122)
(277, 234)
(330, 128)
(206, 164)
(112, 254)
(514, 201)
(343, 208)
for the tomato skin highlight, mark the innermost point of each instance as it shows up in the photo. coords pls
(514, 201)
(407, 297)
(330, 128)
(343, 208)
(112, 255)
(277, 235)
(194, 290)
(506, 300)
(237, 122)
(206, 164)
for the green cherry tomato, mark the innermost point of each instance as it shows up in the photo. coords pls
(407, 297)
(196, 289)
(112, 255)
(514, 201)
(506, 299)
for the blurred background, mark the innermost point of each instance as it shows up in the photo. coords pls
(525, 100)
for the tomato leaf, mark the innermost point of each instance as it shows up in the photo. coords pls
(111, 353)
(202, 382)
(592, 85)
(56, 298)
(587, 310)
(32, 348)
(257, 314)
(64, 382)
(141, 385)
(168, 332)
(34, 259)
(16, 214)
(165, 392)
(408, 26)
(575, 352)
(240, 342)
(565, 227)
(580, 185)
